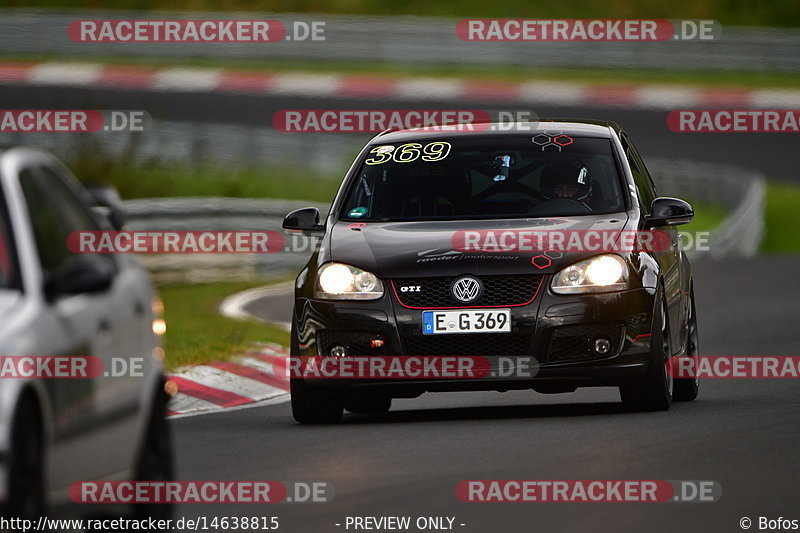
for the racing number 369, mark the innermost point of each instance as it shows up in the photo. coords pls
(467, 321)
(406, 153)
(482, 321)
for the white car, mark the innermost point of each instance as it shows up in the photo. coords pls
(53, 431)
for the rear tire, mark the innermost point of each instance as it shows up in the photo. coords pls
(653, 392)
(315, 405)
(686, 389)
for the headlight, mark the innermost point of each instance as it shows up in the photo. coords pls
(603, 273)
(159, 324)
(336, 281)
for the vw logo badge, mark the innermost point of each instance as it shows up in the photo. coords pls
(466, 289)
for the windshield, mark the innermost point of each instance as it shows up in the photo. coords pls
(505, 177)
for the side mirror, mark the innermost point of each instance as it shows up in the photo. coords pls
(81, 274)
(667, 211)
(108, 204)
(305, 219)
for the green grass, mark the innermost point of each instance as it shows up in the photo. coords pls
(197, 332)
(176, 181)
(92, 163)
(497, 72)
(733, 12)
(782, 218)
(153, 181)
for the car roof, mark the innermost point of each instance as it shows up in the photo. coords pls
(577, 127)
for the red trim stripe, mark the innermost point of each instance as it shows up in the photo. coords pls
(609, 94)
(535, 294)
(209, 394)
(15, 71)
(280, 362)
(724, 98)
(366, 86)
(252, 373)
(274, 359)
(138, 77)
(490, 90)
(130, 77)
(247, 82)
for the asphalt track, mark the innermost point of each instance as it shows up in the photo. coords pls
(745, 434)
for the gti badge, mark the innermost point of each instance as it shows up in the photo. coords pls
(466, 289)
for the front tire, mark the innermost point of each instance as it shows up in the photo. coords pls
(653, 392)
(26, 471)
(315, 405)
(155, 461)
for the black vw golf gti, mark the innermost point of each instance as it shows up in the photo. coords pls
(509, 247)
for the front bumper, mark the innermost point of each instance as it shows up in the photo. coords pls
(551, 337)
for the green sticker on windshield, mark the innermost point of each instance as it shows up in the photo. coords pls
(357, 212)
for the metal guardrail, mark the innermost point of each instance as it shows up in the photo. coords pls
(403, 39)
(218, 214)
(199, 145)
(739, 191)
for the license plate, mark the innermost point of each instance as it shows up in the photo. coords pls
(466, 321)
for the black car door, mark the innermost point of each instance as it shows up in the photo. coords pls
(669, 259)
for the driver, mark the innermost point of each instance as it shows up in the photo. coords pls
(567, 179)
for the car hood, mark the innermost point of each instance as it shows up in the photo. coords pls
(404, 249)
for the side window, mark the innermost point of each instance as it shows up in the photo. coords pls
(48, 231)
(55, 211)
(644, 186)
(647, 181)
(75, 215)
